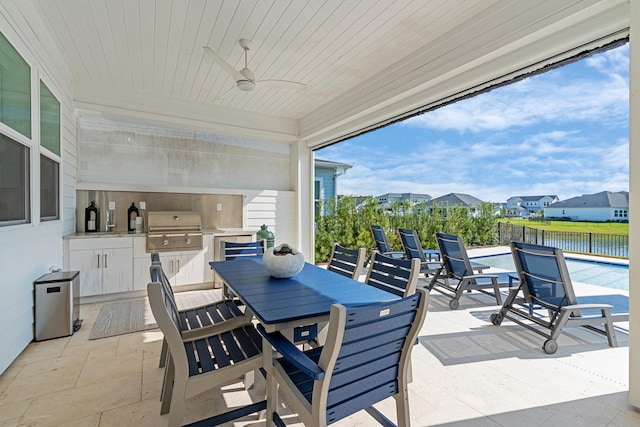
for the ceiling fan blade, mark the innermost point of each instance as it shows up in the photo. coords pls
(283, 84)
(224, 64)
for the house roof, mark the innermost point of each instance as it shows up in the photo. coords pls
(404, 196)
(363, 67)
(533, 198)
(332, 165)
(465, 200)
(604, 199)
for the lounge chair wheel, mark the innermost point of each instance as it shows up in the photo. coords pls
(550, 346)
(454, 304)
(496, 319)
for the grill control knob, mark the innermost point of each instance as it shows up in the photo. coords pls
(188, 241)
(165, 242)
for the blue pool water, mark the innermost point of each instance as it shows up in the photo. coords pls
(609, 275)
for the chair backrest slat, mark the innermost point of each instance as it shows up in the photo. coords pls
(454, 255)
(397, 276)
(347, 262)
(235, 250)
(544, 271)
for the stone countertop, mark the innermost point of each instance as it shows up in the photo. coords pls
(211, 231)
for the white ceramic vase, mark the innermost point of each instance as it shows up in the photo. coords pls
(283, 261)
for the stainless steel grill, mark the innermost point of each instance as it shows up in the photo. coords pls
(174, 231)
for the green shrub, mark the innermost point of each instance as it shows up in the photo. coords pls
(347, 220)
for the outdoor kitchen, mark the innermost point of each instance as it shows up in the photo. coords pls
(117, 231)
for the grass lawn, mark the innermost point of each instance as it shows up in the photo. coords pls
(577, 227)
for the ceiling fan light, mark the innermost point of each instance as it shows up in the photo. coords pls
(246, 85)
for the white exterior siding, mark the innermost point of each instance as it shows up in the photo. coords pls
(586, 214)
(28, 251)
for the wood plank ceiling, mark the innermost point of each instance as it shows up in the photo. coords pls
(347, 52)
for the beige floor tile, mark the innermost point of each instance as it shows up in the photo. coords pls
(83, 401)
(12, 411)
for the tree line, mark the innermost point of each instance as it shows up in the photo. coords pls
(347, 221)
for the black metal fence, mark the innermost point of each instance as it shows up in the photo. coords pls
(616, 245)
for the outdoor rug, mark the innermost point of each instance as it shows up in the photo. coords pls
(125, 317)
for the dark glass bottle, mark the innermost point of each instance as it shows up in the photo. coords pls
(91, 218)
(132, 214)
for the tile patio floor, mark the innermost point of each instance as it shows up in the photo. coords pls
(467, 372)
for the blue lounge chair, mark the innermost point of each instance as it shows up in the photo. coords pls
(365, 360)
(457, 274)
(550, 301)
(413, 250)
(382, 244)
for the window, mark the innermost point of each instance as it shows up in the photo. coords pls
(49, 120)
(14, 182)
(317, 196)
(49, 185)
(49, 168)
(15, 89)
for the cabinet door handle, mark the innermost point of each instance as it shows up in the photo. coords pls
(178, 262)
(105, 260)
(172, 270)
(98, 260)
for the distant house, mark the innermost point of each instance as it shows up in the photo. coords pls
(603, 206)
(456, 199)
(387, 199)
(325, 184)
(525, 206)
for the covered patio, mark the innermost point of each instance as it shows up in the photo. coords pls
(118, 64)
(467, 373)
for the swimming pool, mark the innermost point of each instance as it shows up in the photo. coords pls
(609, 275)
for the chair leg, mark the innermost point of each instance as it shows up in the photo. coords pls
(608, 327)
(402, 406)
(163, 354)
(167, 387)
(177, 404)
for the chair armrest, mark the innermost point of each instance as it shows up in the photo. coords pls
(579, 307)
(292, 353)
(215, 329)
(481, 276)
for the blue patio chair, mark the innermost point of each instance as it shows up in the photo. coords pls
(196, 319)
(235, 250)
(397, 276)
(365, 359)
(413, 249)
(457, 274)
(204, 359)
(382, 244)
(240, 250)
(550, 300)
(347, 262)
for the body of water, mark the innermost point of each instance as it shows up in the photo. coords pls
(610, 275)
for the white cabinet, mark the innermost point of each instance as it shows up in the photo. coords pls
(182, 268)
(105, 264)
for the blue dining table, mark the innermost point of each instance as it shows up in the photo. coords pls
(305, 299)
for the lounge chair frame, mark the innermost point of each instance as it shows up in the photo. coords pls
(457, 274)
(546, 287)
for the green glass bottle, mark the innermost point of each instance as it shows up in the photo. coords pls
(265, 234)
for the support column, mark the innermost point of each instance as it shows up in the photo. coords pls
(302, 160)
(634, 205)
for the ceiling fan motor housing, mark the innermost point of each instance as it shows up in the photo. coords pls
(246, 85)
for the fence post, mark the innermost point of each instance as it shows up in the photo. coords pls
(542, 237)
(590, 243)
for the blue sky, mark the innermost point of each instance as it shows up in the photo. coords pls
(563, 132)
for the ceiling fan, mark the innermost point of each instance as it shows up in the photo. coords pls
(245, 79)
